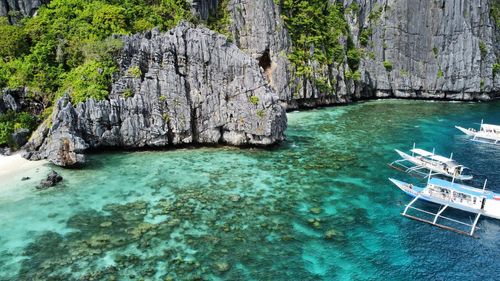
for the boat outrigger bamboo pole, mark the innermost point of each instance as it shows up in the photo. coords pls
(441, 210)
(411, 203)
(474, 225)
(484, 186)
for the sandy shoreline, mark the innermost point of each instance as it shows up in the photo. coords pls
(14, 167)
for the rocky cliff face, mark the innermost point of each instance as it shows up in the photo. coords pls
(191, 85)
(203, 8)
(258, 30)
(186, 86)
(441, 49)
(24, 7)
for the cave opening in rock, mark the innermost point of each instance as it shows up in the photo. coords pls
(265, 63)
(265, 60)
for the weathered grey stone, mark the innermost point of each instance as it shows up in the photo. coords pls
(51, 180)
(203, 8)
(10, 103)
(5, 151)
(62, 143)
(258, 30)
(420, 38)
(24, 7)
(193, 87)
(20, 137)
(434, 49)
(20, 100)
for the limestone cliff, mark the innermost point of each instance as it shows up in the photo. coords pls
(441, 49)
(24, 7)
(189, 85)
(258, 30)
(202, 9)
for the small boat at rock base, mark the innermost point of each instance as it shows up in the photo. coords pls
(487, 133)
(457, 196)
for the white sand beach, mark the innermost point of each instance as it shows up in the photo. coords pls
(14, 167)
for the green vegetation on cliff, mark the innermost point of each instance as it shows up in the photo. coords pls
(220, 20)
(495, 11)
(67, 47)
(11, 121)
(317, 29)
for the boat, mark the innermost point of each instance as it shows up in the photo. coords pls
(487, 133)
(420, 160)
(480, 202)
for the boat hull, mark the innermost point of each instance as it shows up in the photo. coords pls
(480, 136)
(491, 206)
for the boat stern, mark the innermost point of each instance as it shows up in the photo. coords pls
(492, 207)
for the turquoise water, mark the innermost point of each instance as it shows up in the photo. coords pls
(317, 207)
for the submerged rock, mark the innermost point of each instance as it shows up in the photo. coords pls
(330, 234)
(106, 224)
(235, 198)
(222, 266)
(189, 85)
(51, 180)
(315, 210)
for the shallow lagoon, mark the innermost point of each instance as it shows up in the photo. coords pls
(318, 207)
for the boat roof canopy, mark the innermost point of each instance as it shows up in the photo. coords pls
(490, 127)
(445, 160)
(421, 152)
(441, 159)
(460, 188)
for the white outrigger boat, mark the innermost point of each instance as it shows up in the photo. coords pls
(450, 194)
(424, 160)
(487, 133)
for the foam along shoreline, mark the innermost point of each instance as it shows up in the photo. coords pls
(14, 167)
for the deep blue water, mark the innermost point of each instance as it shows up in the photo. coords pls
(317, 207)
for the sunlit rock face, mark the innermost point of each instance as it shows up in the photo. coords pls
(437, 49)
(189, 85)
(442, 49)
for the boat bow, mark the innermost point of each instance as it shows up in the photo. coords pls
(465, 131)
